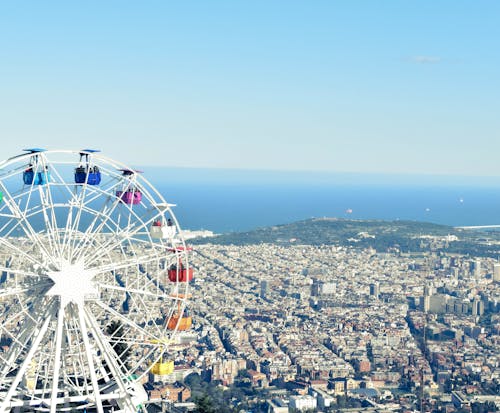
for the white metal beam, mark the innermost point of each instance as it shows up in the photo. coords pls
(57, 358)
(90, 359)
(25, 364)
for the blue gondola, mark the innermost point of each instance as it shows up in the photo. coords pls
(89, 176)
(35, 178)
(87, 173)
(30, 175)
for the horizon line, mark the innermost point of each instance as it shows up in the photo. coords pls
(323, 171)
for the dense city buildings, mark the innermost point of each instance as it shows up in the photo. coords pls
(328, 324)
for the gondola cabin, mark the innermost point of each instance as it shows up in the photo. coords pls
(35, 174)
(86, 172)
(31, 177)
(87, 175)
(163, 368)
(177, 273)
(182, 323)
(162, 230)
(131, 195)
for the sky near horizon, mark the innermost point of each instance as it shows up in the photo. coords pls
(358, 86)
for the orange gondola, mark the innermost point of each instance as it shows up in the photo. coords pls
(182, 323)
(180, 319)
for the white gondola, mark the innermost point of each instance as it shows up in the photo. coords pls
(162, 230)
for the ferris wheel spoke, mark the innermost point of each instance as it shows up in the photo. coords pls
(50, 221)
(24, 311)
(7, 292)
(81, 202)
(106, 351)
(142, 332)
(57, 358)
(24, 223)
(68, 232)
(116, 242)
(104, 215)
(19, 341)
(90, 360)
(78, 362)
(17, 250)
(128, 290)
(9, 225)
(88, 236)
(139, 304)
(133, 228)
(94, 228)
(9, 200)
(25, 364)
(144, 260)
(64, 190)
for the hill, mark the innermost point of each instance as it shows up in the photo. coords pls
(405, 236)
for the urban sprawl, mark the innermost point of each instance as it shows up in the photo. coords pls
(333, 328)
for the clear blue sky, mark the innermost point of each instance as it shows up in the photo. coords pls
(368, 86)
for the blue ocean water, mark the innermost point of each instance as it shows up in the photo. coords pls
(222, 201)
(237, 200)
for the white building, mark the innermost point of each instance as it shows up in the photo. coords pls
(303, 402)
(277, 406)
(496, 272)
(324, 399)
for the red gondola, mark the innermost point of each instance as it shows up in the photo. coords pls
(179, 273)
(180, 248)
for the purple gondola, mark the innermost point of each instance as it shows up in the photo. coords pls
(132, 195)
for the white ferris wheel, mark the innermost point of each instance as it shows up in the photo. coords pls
(94, 279)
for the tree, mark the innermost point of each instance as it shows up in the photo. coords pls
(116, 331)
(204, 404)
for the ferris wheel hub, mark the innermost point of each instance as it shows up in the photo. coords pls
(72, 283)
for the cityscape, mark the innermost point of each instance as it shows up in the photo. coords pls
(330, 328)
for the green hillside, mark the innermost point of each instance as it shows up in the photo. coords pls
(405, 236)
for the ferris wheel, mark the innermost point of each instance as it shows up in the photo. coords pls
(94, 282)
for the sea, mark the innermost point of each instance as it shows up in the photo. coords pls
(223, 201)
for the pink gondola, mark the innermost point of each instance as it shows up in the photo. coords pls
(130, 197)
